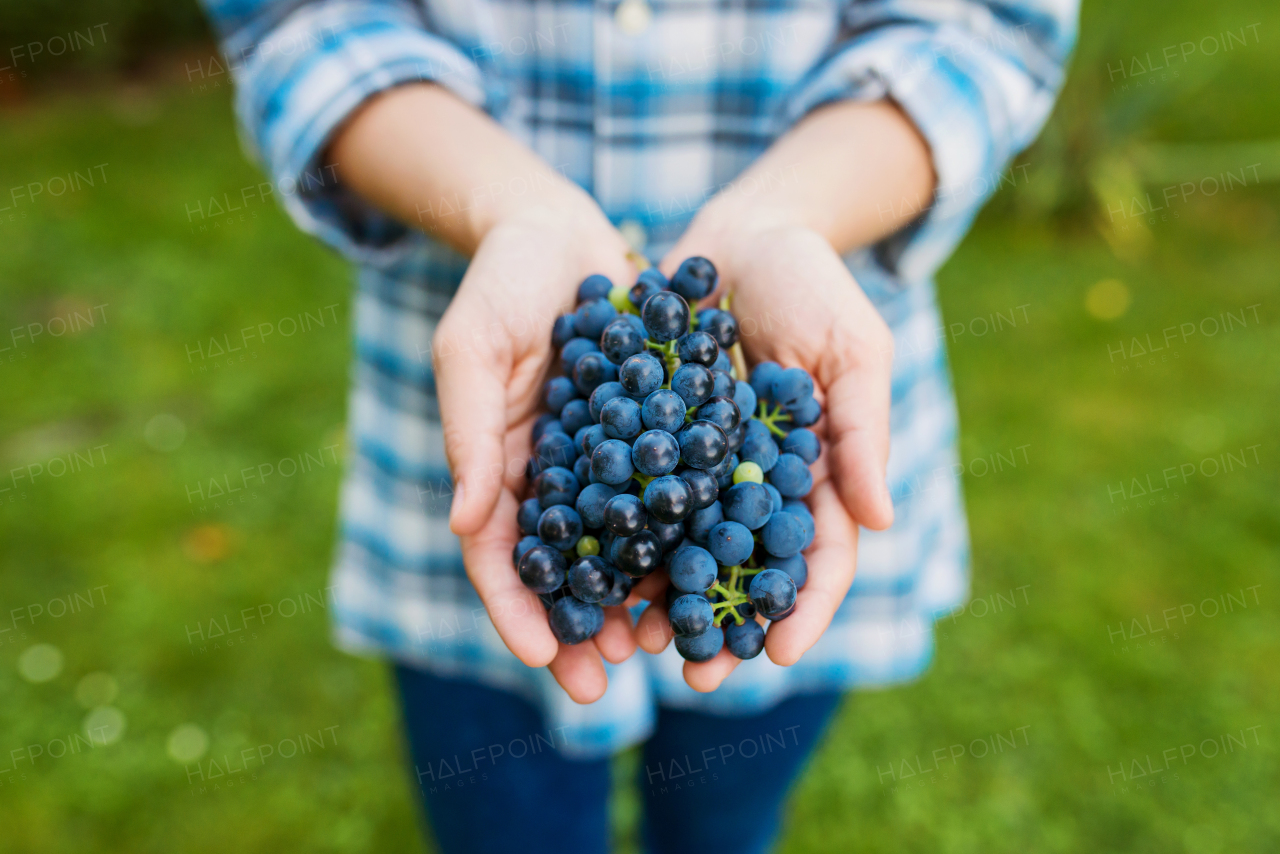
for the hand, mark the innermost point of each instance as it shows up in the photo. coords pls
(491, 353)
(797, 305)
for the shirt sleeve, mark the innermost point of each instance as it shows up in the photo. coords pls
(302, 67)
(978, 79)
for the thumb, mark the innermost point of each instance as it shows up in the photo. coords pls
(471, 387)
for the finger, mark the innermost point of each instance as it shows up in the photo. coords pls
(471, 381)
(832, 562)
(580, 672)
(650, 588)
(516, 611)
(653, 629)
(857, 387)
(706, 676)
(616, 641)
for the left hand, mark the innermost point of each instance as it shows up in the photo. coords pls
(797, 304)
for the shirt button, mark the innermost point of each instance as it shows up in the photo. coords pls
(633, 16)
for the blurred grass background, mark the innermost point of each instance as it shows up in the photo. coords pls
(1052, 534)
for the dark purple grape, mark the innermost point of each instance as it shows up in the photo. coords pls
(542, 569)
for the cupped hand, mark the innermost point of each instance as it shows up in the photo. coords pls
(797, 304)
(490, 354)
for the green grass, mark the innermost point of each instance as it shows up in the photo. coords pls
(1054, 555)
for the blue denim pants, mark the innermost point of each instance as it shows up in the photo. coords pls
(491, 779)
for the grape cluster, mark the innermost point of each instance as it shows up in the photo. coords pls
(654, 453)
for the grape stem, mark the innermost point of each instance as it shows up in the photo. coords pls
(736, 356)
(733, 597)
(771, 419)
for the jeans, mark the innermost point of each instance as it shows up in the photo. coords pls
(492, 781)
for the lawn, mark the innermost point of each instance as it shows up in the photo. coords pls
(1110, 687)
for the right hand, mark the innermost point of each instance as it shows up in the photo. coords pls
(491, 355)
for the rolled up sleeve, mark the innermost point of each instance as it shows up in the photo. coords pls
(301, 69)
(978, 79)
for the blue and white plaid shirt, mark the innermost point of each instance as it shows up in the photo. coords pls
(652, 106)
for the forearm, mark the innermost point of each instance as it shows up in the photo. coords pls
(853, 172)
(434, 162)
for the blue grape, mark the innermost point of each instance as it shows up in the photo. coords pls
(722, 362)
(575, 415)
(745, 396)
(794, 566)
(721, 324)
(722, 385)
(804, 443)
(721, 411)
(587, 439)
(637, 555)
(557, 392)
(668, 499)
(690, 615)
(582, 469)
(762, 376)
(698, 347)
(560, 527)
(744, 641)
(775, 496)
(783, 535)
(730, 543)
(523, 546)
(562, 330)
(637, 323)
(723, 473)
(542, 569)
(693, 383)
(591, 503)
(620, 590)
(625, 515)
(655, 453)
(703, 647)
(556, 485)
(592, 317)
(700, 522)
(665, 316)
(653, 274)
(620, 418)
(573, 621)
(527, 516)
(758, 447)
(621, 340)
(543, 423)
(703, 489)
(555, 449)
(594, 287)
(611, 462)
(695, 279)
(747, 503)
(791, 386)
(590, 578)
(641, 375)
(791, 476)
(591, 370)
(644, 288)
(669, 535)
(703, 445)
(692, 570)
(663, 410)
(603, 393)
(573, 351)
(773, 593)
(806, 413)
(801, 512)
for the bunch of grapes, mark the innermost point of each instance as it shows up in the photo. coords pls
(656, 453)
